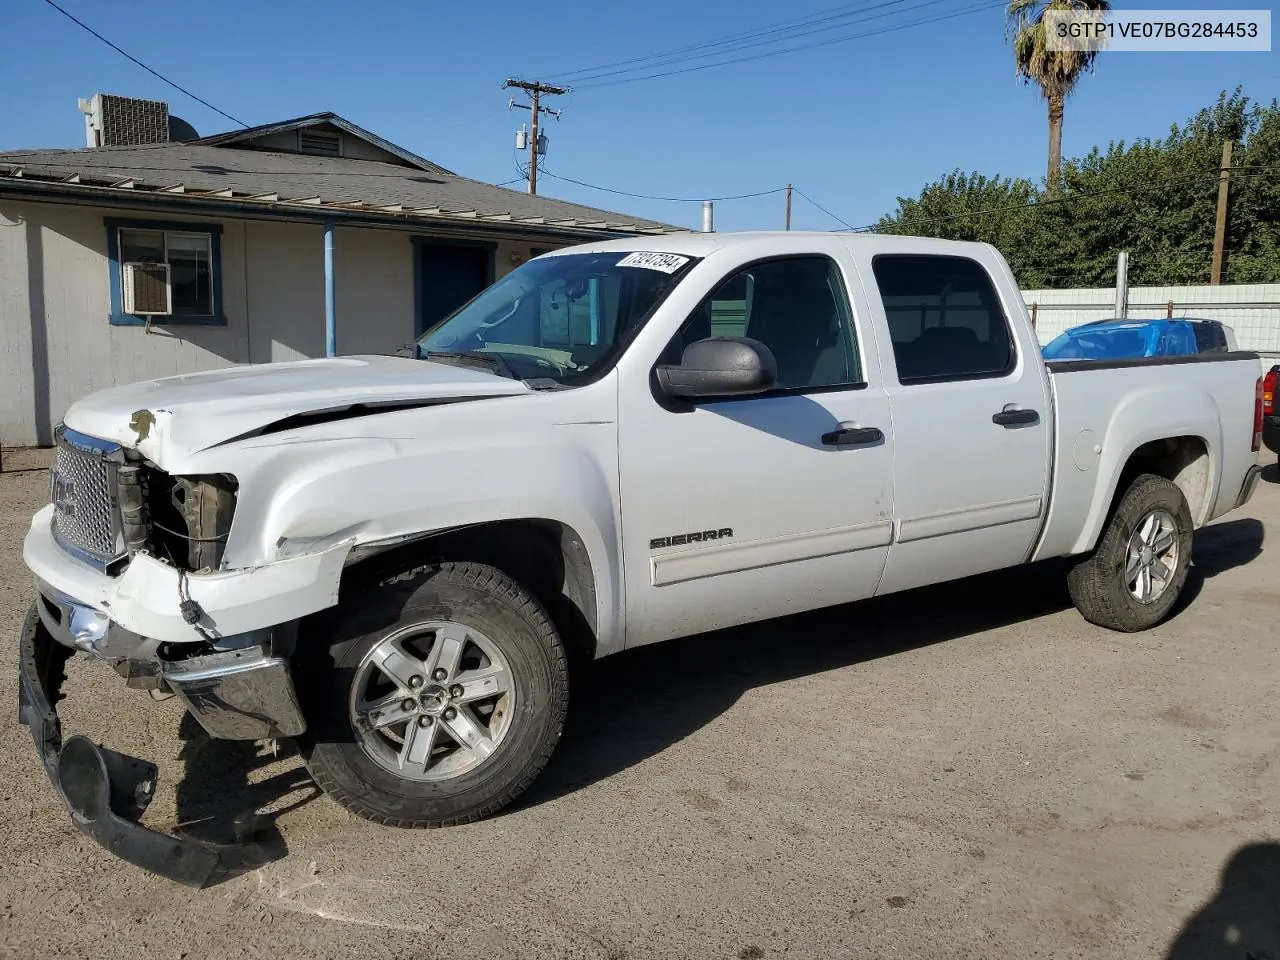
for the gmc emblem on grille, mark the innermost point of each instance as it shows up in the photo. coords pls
(61, 491)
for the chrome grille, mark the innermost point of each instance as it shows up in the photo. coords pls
(85, 515)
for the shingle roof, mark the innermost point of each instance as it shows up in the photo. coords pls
(382, 190)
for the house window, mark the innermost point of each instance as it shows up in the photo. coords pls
(193, 255)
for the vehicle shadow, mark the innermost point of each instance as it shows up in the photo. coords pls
(1219, 548)
(223, 800)
(629, 707)
(1242, 920)
(1270, 473)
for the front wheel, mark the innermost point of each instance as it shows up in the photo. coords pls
(1134, 576)
(437, 699)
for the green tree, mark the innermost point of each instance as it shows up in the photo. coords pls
(1155, 198)
(966, 206)
(1055, 72)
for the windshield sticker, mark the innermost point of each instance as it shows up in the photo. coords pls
(665, 262)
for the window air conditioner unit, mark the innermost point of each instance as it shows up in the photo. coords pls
(147, 290)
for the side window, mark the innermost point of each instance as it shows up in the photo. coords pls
(1210, 338)
(797, 307)
(945, 318)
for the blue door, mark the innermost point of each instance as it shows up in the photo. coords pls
(447, 277)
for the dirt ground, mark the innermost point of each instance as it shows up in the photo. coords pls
(963, 771)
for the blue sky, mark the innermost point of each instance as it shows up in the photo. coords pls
(853, 124)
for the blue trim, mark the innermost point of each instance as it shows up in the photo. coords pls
(593, 286)
(419, 328)
(118, 318)
(330, 319)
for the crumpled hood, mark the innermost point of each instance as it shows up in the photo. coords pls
(173, 417)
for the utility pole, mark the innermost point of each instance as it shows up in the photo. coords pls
(788, 206)
(535, 89)
(1220, 228)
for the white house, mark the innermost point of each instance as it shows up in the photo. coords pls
(146, 255)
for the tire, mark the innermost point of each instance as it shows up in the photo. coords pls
(1099, 582)
(417, 616)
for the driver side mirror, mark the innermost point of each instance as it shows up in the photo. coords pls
(720, 367)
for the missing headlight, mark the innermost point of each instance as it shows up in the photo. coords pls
(187, 518)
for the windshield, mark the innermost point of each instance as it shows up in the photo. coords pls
(559, 318)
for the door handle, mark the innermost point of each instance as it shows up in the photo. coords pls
(852, 436)
(1012, 417)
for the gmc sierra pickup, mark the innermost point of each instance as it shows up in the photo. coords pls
(393, 559)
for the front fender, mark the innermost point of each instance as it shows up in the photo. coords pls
(411, 473)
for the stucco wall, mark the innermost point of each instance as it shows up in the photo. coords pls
(54, 303)
(373, 291)
(56, 344)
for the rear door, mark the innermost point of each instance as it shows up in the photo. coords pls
(968, 397)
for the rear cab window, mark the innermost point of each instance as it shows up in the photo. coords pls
(1210, 338)
(946, 321)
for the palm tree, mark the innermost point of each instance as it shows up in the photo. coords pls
(1056, 72)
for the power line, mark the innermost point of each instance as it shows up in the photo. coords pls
(740, 196)
(643, 196)
(697, 46)
(823, 209)
(154, 73)
(774, 33)
(793, 49)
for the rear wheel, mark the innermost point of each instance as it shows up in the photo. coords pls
(438, 699)
(1133, 578)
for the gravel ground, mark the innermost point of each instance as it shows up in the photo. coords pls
(963, 771)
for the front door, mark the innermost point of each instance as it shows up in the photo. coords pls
(740, 509)
(448, 277)
(971, 421)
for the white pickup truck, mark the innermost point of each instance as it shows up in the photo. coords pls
(394, 559)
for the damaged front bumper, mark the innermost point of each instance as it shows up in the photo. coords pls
(145, 598)
(244, 694)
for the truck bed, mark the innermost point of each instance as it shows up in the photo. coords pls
(1135, 404)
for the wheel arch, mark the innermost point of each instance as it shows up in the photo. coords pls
(1185, 460)
(548, 557)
